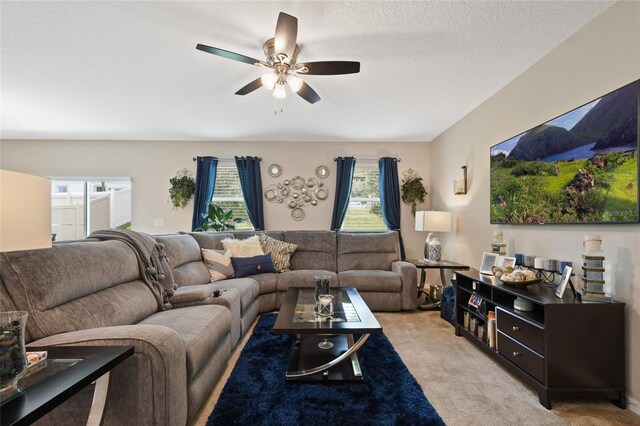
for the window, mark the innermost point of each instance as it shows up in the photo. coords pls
(228, 194)
(80, 206)
(363, 212)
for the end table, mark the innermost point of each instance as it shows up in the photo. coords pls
(423, 265)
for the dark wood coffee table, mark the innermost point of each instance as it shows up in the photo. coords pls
(66, 371)
(309, 362)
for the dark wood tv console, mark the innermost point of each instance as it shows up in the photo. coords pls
(563, 348)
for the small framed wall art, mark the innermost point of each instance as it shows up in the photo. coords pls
(488, 261)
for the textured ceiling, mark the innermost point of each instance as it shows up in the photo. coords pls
(130, 70)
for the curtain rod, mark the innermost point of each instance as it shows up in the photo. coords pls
(225, 158)
(369, 159)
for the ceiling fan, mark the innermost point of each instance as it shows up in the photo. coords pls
(282, 54)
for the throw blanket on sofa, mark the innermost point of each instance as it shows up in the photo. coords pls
(152, 260)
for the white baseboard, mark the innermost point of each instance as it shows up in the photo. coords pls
(633, 405)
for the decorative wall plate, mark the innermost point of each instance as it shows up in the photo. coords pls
(298, 183)
(275, 170)
(322, 194)
(297, 214)
(271, 193)
(322, 172)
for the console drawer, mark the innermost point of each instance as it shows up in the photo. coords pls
(523, 357)
(520, 330)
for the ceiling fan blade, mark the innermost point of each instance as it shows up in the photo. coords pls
(308, 94)
(231, 55)
(286, 35)
(328, 67)
(254, 85)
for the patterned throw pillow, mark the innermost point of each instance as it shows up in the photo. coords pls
(219, 264)
(280, 252)
(243, 248)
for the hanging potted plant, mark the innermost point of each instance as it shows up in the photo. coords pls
(182, 188)
(412, 190)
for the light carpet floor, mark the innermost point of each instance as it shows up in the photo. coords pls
(462, 383)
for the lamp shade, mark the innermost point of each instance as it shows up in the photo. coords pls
(25, 211)
(433, 221)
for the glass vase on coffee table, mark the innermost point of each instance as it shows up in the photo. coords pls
(325, 310)
(12, 349)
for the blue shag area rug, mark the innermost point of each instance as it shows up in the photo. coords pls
(256, 392)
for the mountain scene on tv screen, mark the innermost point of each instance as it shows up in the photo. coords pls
(579, 167)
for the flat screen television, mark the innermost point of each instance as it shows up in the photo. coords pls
(580, 167)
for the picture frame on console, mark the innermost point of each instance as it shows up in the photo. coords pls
(488, 261)
(506, 262)
(562, 286)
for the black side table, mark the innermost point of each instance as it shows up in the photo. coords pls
(64, 373)
(423, 265)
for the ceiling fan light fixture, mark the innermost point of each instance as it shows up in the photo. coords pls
(281, 53)
(294, 82)
(279, 92)
(269, 80)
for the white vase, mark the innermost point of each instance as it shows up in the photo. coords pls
(435, 250)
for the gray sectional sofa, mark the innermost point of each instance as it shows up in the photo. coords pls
(91, 292)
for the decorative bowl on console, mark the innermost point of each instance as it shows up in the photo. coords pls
(519, 277)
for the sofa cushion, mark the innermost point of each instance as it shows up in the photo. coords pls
(364, 280)
(316, 249)
(185, 259)
(76, 286)
(266, 282)
(243, 235)
(243, 248)
(367, 251)
(280, 252)
(304, 278)
(246, 266)
(211, 240)
(218, 263)
(201, 327)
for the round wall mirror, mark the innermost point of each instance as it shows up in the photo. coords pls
(275, 170)
(322, 172)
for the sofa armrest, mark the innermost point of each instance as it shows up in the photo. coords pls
(150, 384)
(409, 275)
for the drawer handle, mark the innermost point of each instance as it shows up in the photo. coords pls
(516, 353)
(515, 328)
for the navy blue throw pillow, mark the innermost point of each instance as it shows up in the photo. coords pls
(246, 266)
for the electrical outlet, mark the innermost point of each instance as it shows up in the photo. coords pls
(158, 221)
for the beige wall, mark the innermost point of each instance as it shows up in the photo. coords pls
(151, 164)
(602, 56)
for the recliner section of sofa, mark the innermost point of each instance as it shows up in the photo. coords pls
(195, 288)
(91, 293)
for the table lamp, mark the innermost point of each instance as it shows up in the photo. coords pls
(25, 211)
(433, 221)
